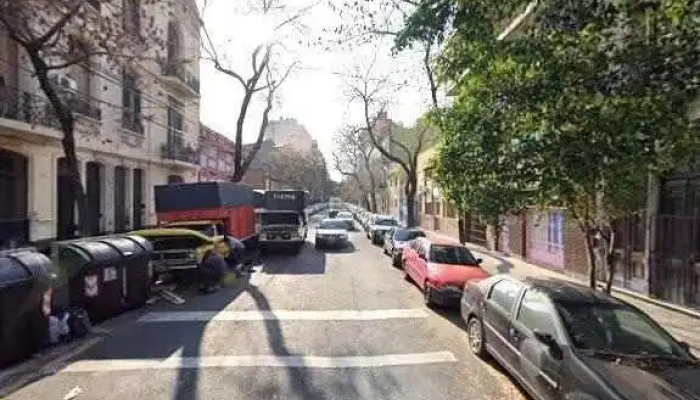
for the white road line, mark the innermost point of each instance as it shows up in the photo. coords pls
(262, 361)
(288, 315)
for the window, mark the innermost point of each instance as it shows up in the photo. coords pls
(616, 328)
(504, 294)
(555, 231)
(535, 312)
(404, 235)
(132, 16)
(131, 104)
(454, 255)
(175, 123)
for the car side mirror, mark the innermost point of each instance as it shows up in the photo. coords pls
(685, 346)
(479, 261)
(551, 343)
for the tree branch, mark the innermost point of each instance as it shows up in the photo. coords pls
(56, 28)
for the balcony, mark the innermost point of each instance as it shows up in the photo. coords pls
(179, 78)
(27, 115)
(178, 152)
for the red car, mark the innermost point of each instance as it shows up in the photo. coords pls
(440, 268)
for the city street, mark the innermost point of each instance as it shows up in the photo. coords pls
(323, 325)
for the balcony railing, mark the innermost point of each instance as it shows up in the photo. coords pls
(132, 121)
(170, 68)
(177, 151)
(26, 107)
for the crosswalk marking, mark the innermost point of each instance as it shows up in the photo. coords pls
(288, 315)
(387, 360)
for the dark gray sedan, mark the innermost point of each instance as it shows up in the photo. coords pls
(564, 341)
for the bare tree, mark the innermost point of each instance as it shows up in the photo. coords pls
(59, 34)
(355, 158)
(264, 76)
(396, 144)
(299, 170)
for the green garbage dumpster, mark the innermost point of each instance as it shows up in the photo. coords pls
(24, 304)
(105, 275)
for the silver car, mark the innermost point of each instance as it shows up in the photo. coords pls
(395, 241)
(331, 232)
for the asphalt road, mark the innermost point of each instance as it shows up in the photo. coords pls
(320, 325)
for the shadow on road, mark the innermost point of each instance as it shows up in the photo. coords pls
(348, 248)
(300, 377)
(307, 262)
(453, 315)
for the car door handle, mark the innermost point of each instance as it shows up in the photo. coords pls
(514, 334)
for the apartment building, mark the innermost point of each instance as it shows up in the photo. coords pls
(215, 155)
(136, 127)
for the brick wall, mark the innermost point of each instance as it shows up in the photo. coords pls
(516, 225)
(575, 253)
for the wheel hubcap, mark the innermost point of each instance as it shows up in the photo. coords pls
(474, 335)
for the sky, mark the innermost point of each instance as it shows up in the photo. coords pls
(316, 93)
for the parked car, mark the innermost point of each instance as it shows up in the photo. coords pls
(561, 340)
(396, 239)
(380, 224)
(346, 217)
(331, 232)
(440, 269)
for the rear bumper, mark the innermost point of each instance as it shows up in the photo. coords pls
(447, 296)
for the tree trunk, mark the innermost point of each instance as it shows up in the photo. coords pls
(610, 266)
(410, 191)
(67, 122)
(590, 250)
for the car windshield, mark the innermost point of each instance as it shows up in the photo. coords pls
(331, 224)
(616, 328)
(385, 222)
(279, 219)
(456, 255)
(404, 235)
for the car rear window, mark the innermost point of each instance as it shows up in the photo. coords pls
(404, 235)
(331, 224)
(386, 222)
(456, 255)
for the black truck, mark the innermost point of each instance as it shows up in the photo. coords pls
(281, 220)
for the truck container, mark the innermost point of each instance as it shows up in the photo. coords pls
(288, 200)
(226, 205)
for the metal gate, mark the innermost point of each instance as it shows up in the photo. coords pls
(676, 272)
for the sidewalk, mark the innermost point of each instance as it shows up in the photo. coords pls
(683, 324)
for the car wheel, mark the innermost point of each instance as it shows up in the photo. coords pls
(317, 245)
(475, 332)
(386, 253)
(427, 295)
(395, 261)
(405, 274)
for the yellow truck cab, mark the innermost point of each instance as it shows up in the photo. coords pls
(177, 249)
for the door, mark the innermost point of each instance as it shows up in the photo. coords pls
(93, 191)
(535, 364)
(410, 260)
(421, 264)
(119, 199)
(65, 224)
(497, 313)
(138, 205)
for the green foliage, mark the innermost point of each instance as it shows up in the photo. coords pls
(587, 98)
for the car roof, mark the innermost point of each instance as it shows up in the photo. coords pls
(442, 240)
(560, 290)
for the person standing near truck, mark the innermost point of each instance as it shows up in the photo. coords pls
(235, 254)
(211, 271)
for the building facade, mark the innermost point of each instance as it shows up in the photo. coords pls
(215, 155)
(136, 127)
(289, 133)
